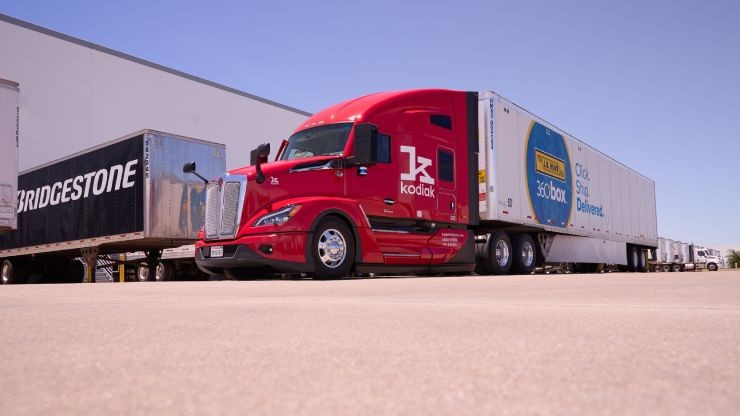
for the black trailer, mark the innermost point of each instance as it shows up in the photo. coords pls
(129, 194)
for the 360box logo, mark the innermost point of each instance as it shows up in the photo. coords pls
(549, 180)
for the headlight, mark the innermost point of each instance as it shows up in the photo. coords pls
(278, 217)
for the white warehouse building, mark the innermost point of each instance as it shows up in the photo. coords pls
(75, 95)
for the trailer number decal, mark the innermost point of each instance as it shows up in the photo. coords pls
(550, 165)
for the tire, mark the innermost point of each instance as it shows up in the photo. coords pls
(712, 267)
(12, 274)
(524, 259)
(142, 272)
(165, 271)
(665, 268)
(499, 253)
(332, 249)
(676, 268)
(632, 258)
(481, 259)
(642, 266)
(232, 274)
(75, 272)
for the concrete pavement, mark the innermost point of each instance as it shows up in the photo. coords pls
(663, 343)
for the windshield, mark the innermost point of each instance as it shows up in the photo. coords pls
(318, 141)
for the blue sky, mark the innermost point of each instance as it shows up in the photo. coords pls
(654, 84)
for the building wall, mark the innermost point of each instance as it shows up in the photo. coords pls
(74, 95)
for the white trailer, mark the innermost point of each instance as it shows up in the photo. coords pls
(532, 174)
(676, 256)
(8, 154)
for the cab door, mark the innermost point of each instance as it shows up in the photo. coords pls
(446, 202)
(376, 186)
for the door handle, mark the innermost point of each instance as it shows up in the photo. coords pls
(389, 201)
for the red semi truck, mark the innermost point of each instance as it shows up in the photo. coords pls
(426, 181)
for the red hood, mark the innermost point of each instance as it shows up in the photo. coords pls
(280, 184)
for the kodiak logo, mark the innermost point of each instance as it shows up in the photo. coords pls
(417, 166)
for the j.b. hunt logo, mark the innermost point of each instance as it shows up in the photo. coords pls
(549, 180)
(417, 165)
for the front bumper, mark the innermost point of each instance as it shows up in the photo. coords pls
(282, 252)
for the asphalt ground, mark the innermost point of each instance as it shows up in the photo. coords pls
(625, 344)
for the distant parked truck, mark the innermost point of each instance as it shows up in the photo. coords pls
(126, 195)
(676, 256)
(8, 154)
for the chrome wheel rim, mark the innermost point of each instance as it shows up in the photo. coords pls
(6, 273)
(332, 248)
(502, 253)
(160, 272)
(143, 274)
(527, 254)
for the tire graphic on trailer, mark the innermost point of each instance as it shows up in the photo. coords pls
(549, 179)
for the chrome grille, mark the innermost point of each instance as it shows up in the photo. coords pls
(213, 213)
(229, 208)
(224, 202)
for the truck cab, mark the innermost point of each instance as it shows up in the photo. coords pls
(706, 259)
(375, 184)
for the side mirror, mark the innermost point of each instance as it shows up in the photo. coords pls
(260, 154)
(366, 138)
(188, 167)
(257, 157)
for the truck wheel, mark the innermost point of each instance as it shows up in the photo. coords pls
(525, 255)
(676, 268)
(165, 271)
(481, 259)
(499, 253)
(333, 247)
(142, 272)
(712, 267)
(665, 268)
(75, 272)
(632, 258)
(10, 274)
(641, 260)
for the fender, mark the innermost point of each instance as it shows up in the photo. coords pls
(314, 209)
(346, 218)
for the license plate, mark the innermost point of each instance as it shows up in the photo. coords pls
(217, 251)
